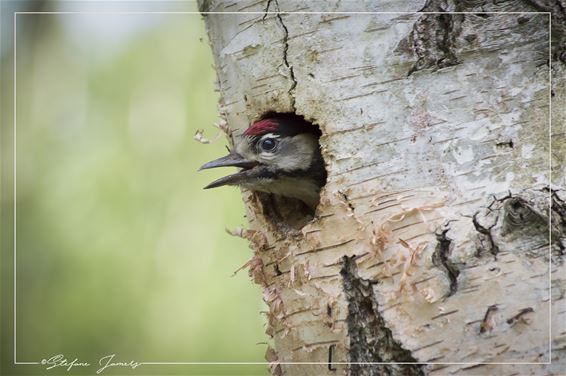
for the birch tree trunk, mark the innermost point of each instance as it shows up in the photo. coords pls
(440, 234)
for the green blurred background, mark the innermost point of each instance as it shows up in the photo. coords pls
(119, 250)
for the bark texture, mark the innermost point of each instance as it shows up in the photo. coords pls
(440, 235)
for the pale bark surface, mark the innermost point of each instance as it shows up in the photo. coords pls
(431, 242)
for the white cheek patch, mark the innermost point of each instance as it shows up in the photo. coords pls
(300, 157)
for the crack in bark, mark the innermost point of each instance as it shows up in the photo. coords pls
(347, 201)
(371, 341)
(285, 52)
(277, 270)
(266, 11)
(330, 355)
(440, 258)
(509, 144)
(486, 232)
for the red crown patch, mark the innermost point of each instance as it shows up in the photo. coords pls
(262, 127)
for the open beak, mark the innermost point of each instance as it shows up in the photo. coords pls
(231, 160)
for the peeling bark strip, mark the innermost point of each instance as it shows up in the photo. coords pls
(371, 341)
(441, 258)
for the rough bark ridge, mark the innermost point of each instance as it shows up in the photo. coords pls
(440, 235)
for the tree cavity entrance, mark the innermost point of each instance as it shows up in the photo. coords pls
(298, 173)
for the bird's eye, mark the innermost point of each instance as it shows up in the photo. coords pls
(268, 144)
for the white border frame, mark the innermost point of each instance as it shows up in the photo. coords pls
(549, 14)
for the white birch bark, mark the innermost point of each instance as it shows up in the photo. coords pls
(431, 241)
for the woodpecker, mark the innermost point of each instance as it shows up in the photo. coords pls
(279, 154)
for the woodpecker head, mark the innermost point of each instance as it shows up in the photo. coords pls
(279, 154)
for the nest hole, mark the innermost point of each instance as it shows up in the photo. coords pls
(288, 213)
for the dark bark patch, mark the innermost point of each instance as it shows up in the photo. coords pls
(557, 9)
(371, 341)
(434, 36)
(521, 217)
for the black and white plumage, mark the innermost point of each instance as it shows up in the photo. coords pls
(279, 154)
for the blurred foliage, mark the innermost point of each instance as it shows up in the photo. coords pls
(119, 248)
